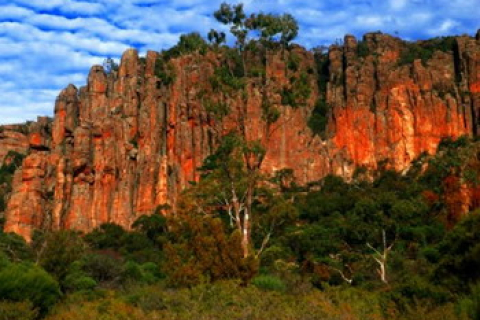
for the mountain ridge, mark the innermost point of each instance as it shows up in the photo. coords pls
(131, 140)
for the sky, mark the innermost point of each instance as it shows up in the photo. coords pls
(47, 44)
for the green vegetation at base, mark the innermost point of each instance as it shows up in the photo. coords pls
(391, 248)
(244, 245)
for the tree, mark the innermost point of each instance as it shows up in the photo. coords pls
(153, 226)
(232, 174)
(201, 249)
(216, 38)
(107, 236)
(56, 251)
(381, 257)
(236, 18)
(283, 28)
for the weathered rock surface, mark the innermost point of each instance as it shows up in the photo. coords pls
(127, 142)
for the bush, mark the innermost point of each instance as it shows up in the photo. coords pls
(362, 49)
(318, 119)
(27, 282)
(103, 268)
(107, 236)
(269, 283)
(188, 43)
(14, 247)
(201, 250)
(164, 71)
(56, 251)
(77, 280)
(424, 50)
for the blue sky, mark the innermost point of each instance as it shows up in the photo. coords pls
(47, 44)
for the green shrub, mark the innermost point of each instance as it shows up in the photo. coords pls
(58, 250)
(132, 271)
(79, 282)
(27, 282)
(293, 62)
(269, 283)
(301, 87)
(77, 279)
(164, 71)
(270, 114)
(188, 43)
(424, 50)
(217, 109)
(103, 268)
(362, 49)
(288, 98)
(15, 247)
(318, 119)
(107, 236)
(225, 79)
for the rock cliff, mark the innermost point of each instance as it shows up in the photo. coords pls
(131, 139)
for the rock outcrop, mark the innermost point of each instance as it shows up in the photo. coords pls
(131, 140)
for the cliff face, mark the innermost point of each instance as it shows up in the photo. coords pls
(131, 140)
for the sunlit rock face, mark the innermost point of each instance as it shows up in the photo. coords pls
(128, 141)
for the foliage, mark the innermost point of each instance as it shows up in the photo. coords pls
(153, 226)
(107, 236)
(269, 27)
(14, 247)
(270, 113)
(216, 38)
(362, 49)
(269, 283)
(56, 251)
(319, 118)
(27, 282)
(12, 161)
(424, 50)
(217, 109)
(460, 252)
(202, 250)
(298, 93)
(188, 43)
(164, 71)
(224, 79)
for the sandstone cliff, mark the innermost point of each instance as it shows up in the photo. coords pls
(131, 140)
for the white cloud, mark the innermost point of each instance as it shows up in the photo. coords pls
(398, 4)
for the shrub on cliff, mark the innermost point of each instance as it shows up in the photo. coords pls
(318, 119)
(424, 50)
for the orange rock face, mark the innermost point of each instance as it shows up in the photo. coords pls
(13, 138)
(128, 142)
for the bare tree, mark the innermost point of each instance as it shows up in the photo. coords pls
(381, 257)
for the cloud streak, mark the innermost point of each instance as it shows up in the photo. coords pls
(45, 45)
